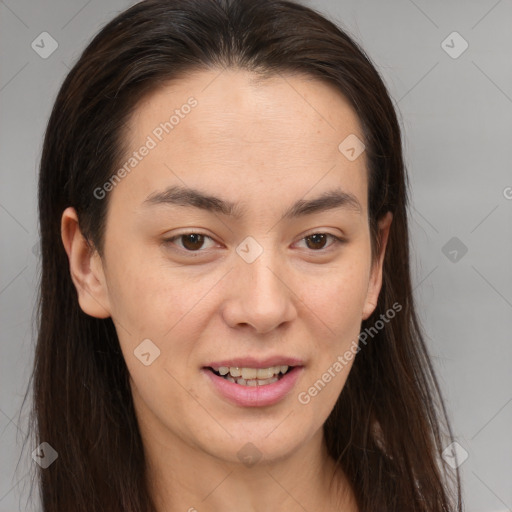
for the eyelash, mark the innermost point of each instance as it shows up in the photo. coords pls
(337, 241)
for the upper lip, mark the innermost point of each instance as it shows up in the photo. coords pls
(252, 362)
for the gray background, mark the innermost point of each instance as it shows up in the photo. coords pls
(457, 119)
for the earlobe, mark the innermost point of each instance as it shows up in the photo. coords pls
(375, 284)
(85, 267)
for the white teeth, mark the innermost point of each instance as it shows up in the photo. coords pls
(249, 373)
(267, 381)
(252, 376)
(257, 382)
(252, 373)
(235, 371)
(265, 373)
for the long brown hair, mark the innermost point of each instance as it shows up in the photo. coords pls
(389, 424)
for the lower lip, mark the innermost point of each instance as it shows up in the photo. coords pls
(255, 396)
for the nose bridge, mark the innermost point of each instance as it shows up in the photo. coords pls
(261, 297)
(260, 268)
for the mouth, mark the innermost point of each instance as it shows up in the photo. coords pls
(250, 383)
(251, 376)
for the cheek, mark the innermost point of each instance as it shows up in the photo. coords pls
(338, 297)
(337, 304)
(146, 295)
(169, 308)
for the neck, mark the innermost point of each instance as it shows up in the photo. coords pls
(184, 478)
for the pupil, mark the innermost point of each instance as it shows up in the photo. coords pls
(317, 238)
(197, 241)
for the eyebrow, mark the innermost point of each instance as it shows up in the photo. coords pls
(190, 197)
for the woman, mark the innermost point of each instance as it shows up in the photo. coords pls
(226, 313)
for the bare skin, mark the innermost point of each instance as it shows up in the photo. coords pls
(264, 145)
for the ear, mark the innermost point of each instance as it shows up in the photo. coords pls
(85, 267)
(375, 283)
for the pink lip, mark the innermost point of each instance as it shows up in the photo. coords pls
(251, 362)
(255, 396)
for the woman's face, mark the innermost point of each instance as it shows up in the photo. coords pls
(260, 282)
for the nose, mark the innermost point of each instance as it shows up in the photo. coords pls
(260, 296)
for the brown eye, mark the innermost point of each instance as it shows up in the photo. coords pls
(317, 241)
(190, 242)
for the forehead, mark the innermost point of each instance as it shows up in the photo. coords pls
(231, 130)
(236, 106)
